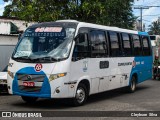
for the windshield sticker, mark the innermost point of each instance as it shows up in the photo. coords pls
(61, 34)
(22, 53)
(70, 32)
(48, 29)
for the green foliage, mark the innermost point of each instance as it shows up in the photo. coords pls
(154, 28)
(107, 12)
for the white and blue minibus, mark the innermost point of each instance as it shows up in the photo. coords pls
(72, 59)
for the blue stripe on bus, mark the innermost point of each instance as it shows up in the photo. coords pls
(45, 90)
(143, 68)
(142, 33)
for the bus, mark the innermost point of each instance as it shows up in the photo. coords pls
(155, 42)
(72, 59)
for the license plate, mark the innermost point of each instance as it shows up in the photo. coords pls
(28, 84)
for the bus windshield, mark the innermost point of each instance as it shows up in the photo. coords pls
(44, 43)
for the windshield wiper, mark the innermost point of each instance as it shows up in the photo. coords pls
(40, 59)
(47, 58)
(23, 58)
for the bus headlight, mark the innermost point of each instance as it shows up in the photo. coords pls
(10, 74)
(55, 76)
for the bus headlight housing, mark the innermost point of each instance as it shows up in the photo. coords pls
(55, 76)
(10, 74)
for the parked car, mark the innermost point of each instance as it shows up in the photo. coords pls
(3, 80)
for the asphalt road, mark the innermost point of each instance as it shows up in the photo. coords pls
(146, 98)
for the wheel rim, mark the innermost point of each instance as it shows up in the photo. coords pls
(80, 95)
(133, 85)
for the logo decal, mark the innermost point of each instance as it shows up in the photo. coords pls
(38, 67)
(85, 66)
(29, 77)
(133, 63)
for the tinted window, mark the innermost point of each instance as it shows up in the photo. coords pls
(153, 37)
(146, 47)
(98, 43)
(127, 51)
(137, 45)
(81, 49)
(115, 51)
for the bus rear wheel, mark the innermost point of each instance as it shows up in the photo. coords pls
(132, 87)
(81, 95)
(29, 99)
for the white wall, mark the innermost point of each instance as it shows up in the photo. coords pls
(8, 39)
(19, 23)
(5, 27)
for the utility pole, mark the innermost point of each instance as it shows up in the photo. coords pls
(141, 10)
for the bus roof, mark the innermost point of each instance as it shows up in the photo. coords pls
(90, 25)
(112, 28)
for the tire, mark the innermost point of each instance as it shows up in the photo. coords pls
(132, 87)
(81, 95)
(30, 100)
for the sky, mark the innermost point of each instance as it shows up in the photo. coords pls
(2, 5)
(149, 15)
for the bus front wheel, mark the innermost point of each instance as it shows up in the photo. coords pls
(29, 99)
(81, 95)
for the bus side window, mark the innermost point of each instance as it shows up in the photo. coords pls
(137, 45)
(127, 51)
(114, 42)
(81, 49)
(98, 44)
(146, 46)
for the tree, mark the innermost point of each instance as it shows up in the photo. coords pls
(107, 12)
(154, 28)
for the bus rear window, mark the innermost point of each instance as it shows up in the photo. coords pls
(153, 37)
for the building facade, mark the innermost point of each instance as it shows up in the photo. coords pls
(9, 29)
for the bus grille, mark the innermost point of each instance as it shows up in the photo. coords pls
(37, 79)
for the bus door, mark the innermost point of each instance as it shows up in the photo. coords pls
(98, 64)
(79, 64)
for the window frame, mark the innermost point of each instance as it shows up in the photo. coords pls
(106, 41)
(119, 43)
(130, 43)
(83, 30)
(141, 54)
(149, 45)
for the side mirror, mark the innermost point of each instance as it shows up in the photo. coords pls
(81, 37)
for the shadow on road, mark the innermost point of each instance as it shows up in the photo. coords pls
(4, 94)
(113, 94)
(54, 104)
